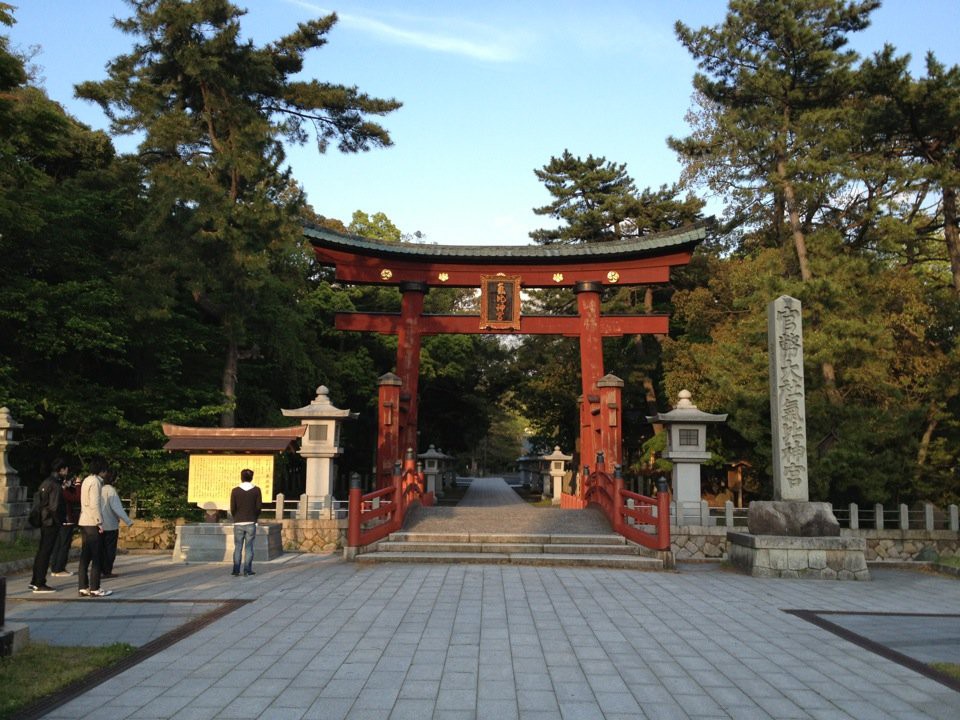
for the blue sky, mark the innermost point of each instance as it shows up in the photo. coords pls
(491, 90)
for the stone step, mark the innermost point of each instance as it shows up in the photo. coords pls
(506, 548)
(629, 562)
(509, 538)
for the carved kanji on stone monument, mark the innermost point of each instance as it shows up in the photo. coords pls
(787, 407)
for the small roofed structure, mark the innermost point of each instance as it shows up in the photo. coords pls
(217, 455)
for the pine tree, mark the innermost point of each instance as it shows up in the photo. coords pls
(592, 197)
(919, 120)
(214, 111)
(773, 130)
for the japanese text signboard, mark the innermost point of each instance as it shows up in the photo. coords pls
(212, 477)
(500, 302)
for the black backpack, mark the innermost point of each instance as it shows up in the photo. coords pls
(35, 518)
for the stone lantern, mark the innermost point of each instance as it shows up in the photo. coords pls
(431, 469)
(320, 445)
(557, 468)
(687, 449)
(13, 497)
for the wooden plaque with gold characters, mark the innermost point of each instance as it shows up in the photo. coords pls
(500, 302)
(212, 477)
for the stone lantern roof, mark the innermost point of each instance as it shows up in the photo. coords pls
(432, 454)
(319, 409)
(686, 412)
(557, 455)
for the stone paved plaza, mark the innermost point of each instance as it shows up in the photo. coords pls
(317, 637)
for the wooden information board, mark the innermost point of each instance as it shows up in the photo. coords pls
(212, 477)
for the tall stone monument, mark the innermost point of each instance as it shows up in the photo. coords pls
(787, 406)
(791, 536)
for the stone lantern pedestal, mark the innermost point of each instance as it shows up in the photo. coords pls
(431, 460)
(14, 506)
(14, 509)
(320, 446)
(557, 469)
(687, 450)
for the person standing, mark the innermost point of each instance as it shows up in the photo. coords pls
(245, 505)
(61, 548)
(113, 513)
(91, 529)
(53, 514)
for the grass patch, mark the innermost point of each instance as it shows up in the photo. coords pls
(40, 670)
(18, 549)
(951, 669)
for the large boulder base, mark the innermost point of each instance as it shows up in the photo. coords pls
(792, 519)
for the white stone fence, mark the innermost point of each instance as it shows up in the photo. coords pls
(852, 517)
(305, 508)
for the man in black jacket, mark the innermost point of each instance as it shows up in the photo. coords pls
(53, 514)
(245, 505)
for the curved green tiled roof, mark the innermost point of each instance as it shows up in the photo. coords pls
(654, 243)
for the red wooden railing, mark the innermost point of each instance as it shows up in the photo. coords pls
(368, 520)
(607, 492)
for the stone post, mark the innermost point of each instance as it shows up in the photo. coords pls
(904, 517)
(279, 509)
(954, 519)
(878, 516)
(728, 513)
(928, 516)
(854, 516)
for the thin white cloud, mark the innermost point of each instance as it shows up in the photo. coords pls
(478, 42)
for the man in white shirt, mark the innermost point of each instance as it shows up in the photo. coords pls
(91, 530)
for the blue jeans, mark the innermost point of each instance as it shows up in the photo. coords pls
(243, 536)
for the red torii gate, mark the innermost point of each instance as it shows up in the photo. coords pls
(501, 272)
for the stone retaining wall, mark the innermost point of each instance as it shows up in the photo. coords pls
(710, 543)
(312, 536)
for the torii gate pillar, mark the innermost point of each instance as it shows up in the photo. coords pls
(591, 369)
(408, 357)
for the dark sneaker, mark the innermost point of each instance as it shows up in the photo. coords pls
(100, 593)
(235, 573)
(108, 575)
(249, 573)
(43, 589)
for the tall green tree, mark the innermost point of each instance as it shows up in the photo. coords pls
(919, 122)
(590, 198)
(86, 362)
(772, 130)
(214, 111)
